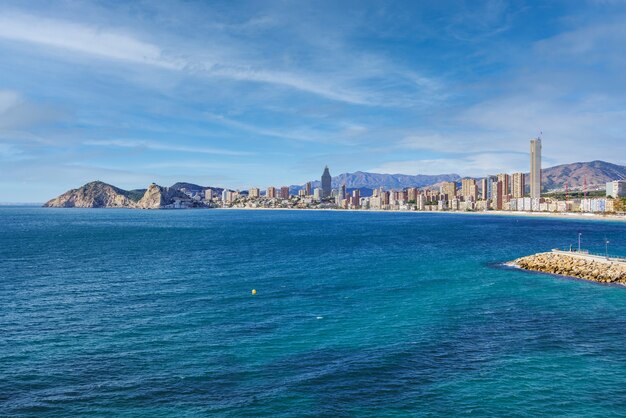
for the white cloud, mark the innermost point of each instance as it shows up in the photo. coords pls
(157, 146)
(232, 61)
(480, 164)
(84, 39)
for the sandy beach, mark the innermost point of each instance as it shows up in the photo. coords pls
(550, 215)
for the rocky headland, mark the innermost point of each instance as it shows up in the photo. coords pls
(95, 195)
(579, 265)
(102, 195)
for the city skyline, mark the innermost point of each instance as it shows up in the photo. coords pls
(501, 192)
(217, 94)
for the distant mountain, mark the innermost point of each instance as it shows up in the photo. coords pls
(364, 180)
(598, 173)
(194, 187)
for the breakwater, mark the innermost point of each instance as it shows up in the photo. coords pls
(579, 265)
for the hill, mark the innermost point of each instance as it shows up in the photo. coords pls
(94, 195)
(190, 187)
(598, 173)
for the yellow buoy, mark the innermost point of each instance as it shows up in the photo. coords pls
(254, 291)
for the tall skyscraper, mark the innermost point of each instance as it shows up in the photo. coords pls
(308, 189)
(341, 193)
(284, 192)
(535, 168)
(506, 183)
(271, 192)
(484, 188)
(519, 185)
(469, 190)
(498, 194)
(326, 183)
(491, 180)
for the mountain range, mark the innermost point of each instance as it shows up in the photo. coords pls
(99, 194)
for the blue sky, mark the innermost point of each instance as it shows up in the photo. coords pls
(242, 94)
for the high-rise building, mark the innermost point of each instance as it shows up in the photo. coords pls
(308, 189)
(326, 183)
(616, 188)
(317, 193)
(506, 183)
(356, 198)
(449, 188)
(384, 197)
(491, 181)
(484, 188)
(497, 198)
(519, 185)
(469, 190)
(535, 168)
(341, 193)
(254, 192)
(284, 192)
(271, 192)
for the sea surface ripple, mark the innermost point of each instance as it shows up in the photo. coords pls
(150, 313)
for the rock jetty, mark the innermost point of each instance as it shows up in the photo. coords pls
(579, 265)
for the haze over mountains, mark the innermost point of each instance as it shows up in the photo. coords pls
(361, 179)
(596, 172)
(99, 194)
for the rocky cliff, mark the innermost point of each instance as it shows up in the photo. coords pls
(101, 195)
(94, 195)
(157, 197)
(591, 268)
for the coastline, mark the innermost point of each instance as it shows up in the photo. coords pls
(548, 215)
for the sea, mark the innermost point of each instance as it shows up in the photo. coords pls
(114, 312)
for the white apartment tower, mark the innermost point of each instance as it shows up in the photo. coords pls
(535, 168)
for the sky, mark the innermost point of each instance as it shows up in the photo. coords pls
(242, 94)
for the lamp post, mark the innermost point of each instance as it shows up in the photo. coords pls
(606, 247)
(579, 235)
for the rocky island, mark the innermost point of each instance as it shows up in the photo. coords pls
(576, 264)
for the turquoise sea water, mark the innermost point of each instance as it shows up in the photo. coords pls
(150, 313)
